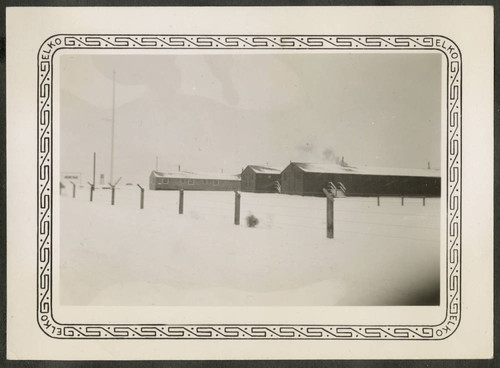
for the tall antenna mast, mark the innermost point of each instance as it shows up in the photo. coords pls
(93, 177)
(112, 132)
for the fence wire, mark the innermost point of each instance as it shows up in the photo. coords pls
(352, 215)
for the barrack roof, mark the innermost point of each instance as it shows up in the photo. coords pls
(195, 175)
(265, 169)
(365, 170)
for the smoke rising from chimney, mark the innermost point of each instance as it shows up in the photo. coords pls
(329, 155)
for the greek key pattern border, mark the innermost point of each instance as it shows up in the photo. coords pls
(45, 187)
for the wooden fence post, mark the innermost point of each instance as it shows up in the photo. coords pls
(141, 204)
(112, 195)
(329, 214)
(181, 201)
(113, 191)
(91, 191)
(74, 189)
(329, 218)
(237, 199)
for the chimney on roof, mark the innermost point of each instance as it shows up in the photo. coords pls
(179, 167)
(428, 165)
(342, 163)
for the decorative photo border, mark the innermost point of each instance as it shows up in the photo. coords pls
(45, 188)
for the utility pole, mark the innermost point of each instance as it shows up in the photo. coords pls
(112, 131)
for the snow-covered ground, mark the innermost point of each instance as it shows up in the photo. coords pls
(122, 255)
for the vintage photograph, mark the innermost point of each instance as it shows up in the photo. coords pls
(250, 178)
(249, 183)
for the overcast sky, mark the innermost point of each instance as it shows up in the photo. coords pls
(213, 112)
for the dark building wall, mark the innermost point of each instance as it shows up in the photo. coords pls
(391, 185)
(161, 183)
(248, 180)
(252, 181)
(296, 181)
(286, 176)
(374, 185)
(266, 183)
(152, 181)
(315, 182)
(292, 180)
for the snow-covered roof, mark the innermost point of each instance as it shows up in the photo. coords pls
(265, 169)
(366, 170)
(195, 175)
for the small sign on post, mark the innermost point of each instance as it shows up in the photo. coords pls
(329, 213)
(181, 201)
(142, 197)
(237, 199)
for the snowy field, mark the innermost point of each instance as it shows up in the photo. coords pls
(122, 255)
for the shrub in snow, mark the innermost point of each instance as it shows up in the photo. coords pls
(252, 221)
